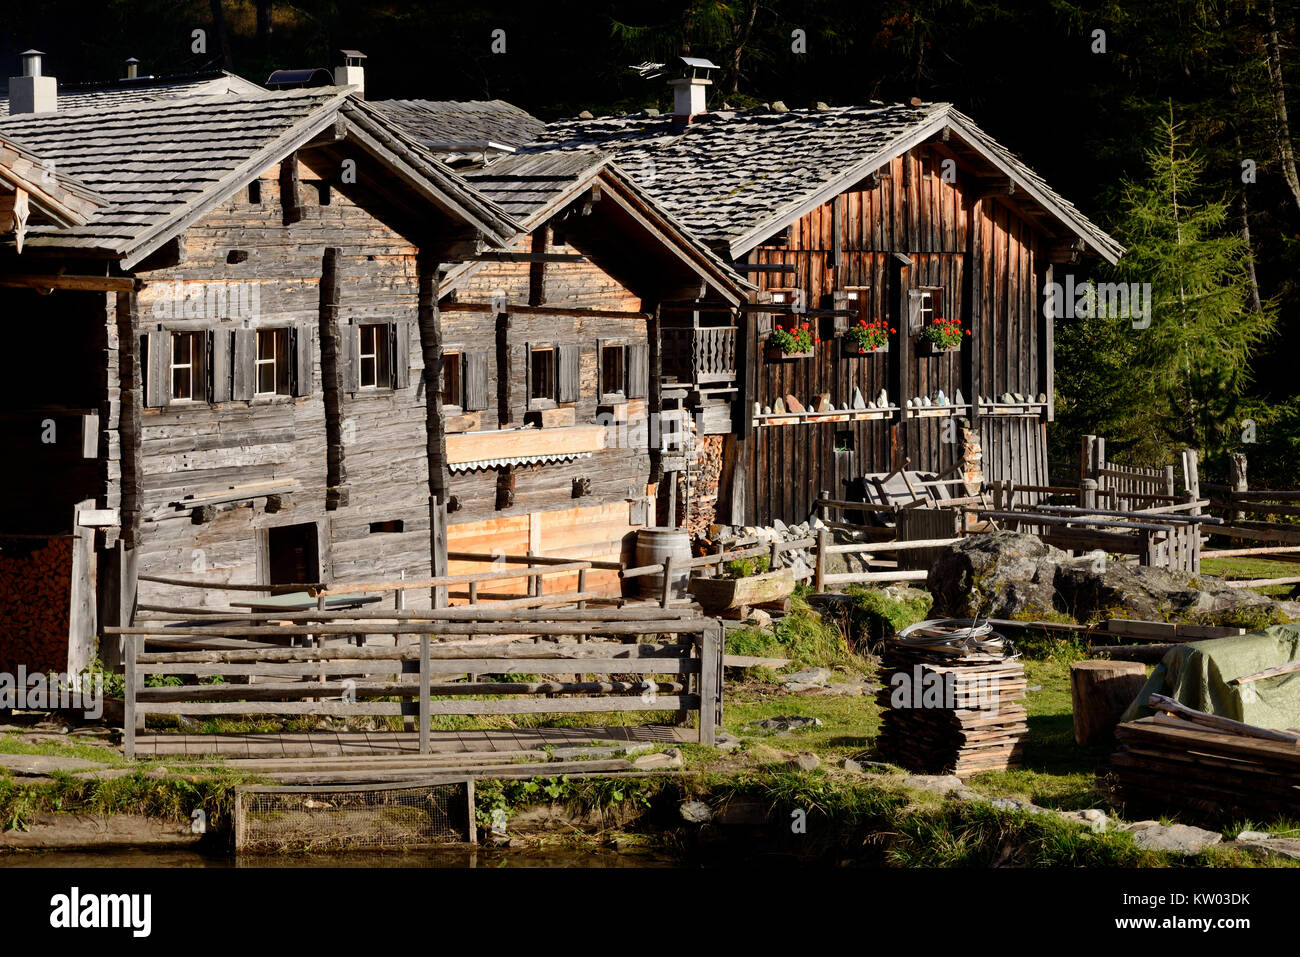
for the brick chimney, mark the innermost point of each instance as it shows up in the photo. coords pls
(32, 92)
(690, 86)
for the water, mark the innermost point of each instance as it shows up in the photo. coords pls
(442, 857)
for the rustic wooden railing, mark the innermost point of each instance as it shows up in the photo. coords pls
(701, 354)
(682, 676)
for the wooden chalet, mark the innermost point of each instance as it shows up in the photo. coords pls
(223, 365)
(562, 411)
(903, 213)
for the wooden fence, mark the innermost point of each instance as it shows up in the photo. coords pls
(681, 675)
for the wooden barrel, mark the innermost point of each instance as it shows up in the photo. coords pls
(653, 547)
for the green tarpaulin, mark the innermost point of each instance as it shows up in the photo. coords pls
(1197, 674)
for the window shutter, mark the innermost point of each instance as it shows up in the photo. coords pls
(244, 364)
(476, 381)
(400, 338)
(840, 301)
(638, 370)
(349, 339)
(528, 375)
(219, 364)
(302, 359)
(914, 311)
(602, 387)
(157, 385)
(568, 372)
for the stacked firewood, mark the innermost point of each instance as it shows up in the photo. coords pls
(35, 587)
(699, 484)
(952, 695)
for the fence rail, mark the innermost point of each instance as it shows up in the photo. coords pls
(683, 676)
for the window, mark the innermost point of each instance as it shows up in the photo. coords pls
(452, 392)
(925, 306)
(613, 372)
(374, 358)
(188, 366)
(255, 192)
(541, 368)
(386, 528)
(272, 365)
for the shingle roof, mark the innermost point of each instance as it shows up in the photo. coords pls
(160, 163)
(444, 123)
(58, 199)
(212, 83)
(734, 178)
(528, 186)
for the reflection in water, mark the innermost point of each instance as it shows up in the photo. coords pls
(457, 856)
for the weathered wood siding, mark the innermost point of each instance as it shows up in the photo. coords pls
(942, 228)
(202, 448)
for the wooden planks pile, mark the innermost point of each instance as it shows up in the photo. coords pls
(951, 714)
(1182, 762)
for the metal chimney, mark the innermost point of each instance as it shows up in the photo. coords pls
(132, 68)
(32, 92)
(690, 85)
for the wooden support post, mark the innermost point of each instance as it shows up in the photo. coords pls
(1192, 480)
(435, 434)
(1088, 493)
(1237, 481)
(130, 648)
(331, 374)
(582, 585)
(666, 598)
(131, 398)
(541, 241)
(819, 574)
(290, 200)
(773, 558)
(425, 643)
(710, 666)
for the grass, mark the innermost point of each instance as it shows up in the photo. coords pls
(802, 635)
(13, 743)
(1251, 568)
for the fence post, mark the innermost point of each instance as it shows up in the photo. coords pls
(710, 700)
(1088, 493)
(774, 559)
(424, 704)
(1237, 481)
(128, 722)
(666, 597)
(819, 573)
(582, 585)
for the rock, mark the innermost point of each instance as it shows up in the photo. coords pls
(1254, 836)
(758, 409)
(758, 618)
(939, 783)
(871, 405)
(782, 724)
(1284, 847)
(816, 676)
(778, 407)
(805, 761)
(793, 405)
(1174, 838)
(882, 399)
(925, 402)
(824, 403)
(726, 741)
(1087, 586)
(853, 767)
(847, 689)
(999, 575)
(672, 758)
(1007, 399)
(39, 765)
(958, 399)
(767, 410)
(695, 812)
(909, 403)
(858, 401)
(1042, 397)
(820, 106)
(586, 115)
(778, 106)
(1093, 818)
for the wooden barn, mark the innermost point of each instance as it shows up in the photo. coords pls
(906, 214)
(231, 353)
(562, 411)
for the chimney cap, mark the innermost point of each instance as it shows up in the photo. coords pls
(350, 55)
(32, 62)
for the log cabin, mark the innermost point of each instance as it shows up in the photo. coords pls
(904, 213)
(563, 402)
(224, 367)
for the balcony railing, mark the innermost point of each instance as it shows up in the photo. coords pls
(700, 355)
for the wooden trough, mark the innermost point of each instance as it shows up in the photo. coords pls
(720, 596)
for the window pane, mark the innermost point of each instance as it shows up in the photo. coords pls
(611, 369)
(181, 384)
(180, 348)
(368, 371)
(451, 378)
(543, 368)
(266, 344)
(266, 377)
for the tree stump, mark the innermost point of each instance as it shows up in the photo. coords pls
(1100, 692)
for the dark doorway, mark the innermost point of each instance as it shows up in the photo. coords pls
(293, 555)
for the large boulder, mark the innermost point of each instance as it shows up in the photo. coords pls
(1003, 574)
(1091, 587)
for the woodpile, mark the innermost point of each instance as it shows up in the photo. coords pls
(952, 695)
(1210, 767)
(698, 485)
(35, 591)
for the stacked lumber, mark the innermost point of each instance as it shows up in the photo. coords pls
(35, 603)
(952, 709)
(1212, 768)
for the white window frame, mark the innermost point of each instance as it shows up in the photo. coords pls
(279, 339)
(194, 366)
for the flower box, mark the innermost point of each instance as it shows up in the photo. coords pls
(943, 335)
(851, 348)
(776, 355)
(934, 349)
